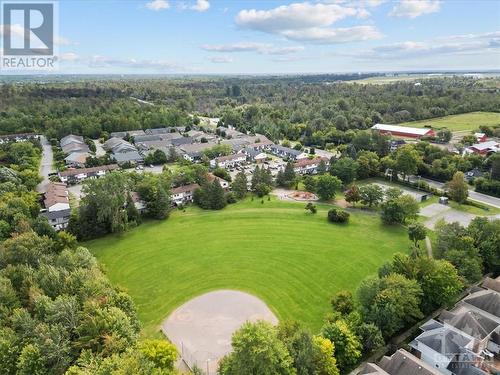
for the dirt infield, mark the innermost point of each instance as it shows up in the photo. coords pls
(201, 329)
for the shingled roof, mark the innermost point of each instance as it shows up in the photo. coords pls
(404, 363)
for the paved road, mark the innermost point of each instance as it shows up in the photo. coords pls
(473, 195)
(45, 165)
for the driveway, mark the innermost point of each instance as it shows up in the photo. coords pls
(99, 151)
(436, 212)
(46, 164)
(473, 195)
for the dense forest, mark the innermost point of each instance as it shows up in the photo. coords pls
(316, 111)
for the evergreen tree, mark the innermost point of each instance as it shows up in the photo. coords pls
(217, 196)
(132, 212)
(239, 185)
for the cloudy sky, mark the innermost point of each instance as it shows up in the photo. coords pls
(267, 36)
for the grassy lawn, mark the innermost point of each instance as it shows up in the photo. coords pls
(293, 260)
(466, 121)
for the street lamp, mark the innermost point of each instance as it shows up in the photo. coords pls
(208, 370)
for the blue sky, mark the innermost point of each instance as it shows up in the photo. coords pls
(267, 36)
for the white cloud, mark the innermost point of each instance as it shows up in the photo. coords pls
(308, 22)
(415, 8)
(443, 46)
(221, 59)
(329, 36)
(157, 5)
(261, 48)
(201, 5)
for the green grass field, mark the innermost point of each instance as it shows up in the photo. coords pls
(466, 121)
(293, 260)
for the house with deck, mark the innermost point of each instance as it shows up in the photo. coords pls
(56, 205)
(183, 194)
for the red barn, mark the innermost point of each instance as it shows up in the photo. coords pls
(403, 131)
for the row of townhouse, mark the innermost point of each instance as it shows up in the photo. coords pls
(75, 176)
(123, 151)
(461, 341)
(56, 205)
(287, 153)
(310, 166)
(75, 149)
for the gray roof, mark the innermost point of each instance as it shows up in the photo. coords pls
(157, 131)
(404, 363)
(127, 156)
(71, 139)
(182, 141)
(471, 323)
(286, 150)
(146, 137)
(118, 134)
(487, 300)
(56, 214)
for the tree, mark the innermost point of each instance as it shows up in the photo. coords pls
(399, 210)
(457, 188)
(299, 343)
(340, 122)
(239, 185)
(353, 194)
(440, 283)
(370, 336)
(309, 183)
(368, 164)
(158, 157)
(417, 232)
(288, 176)
(326, 186)
(217, 196)
(323, 357)
(159, 207)
(407, 159)
(485, 234)
(31, 361)
(257, 350)
(347, 345)
(391, 303)
(346, 169)
(160, 352)
(343, 302)
(262, 189)
(371, 194)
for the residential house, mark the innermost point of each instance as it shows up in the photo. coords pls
(255, 155)
(139, 203)
(400, 363)
(229, 161)
(309, 166)
(465, 340)
(71, 138)
(56, 206)
(183, 194)
(287, 153)
(181, 141)
(76, 159)
(229, 132)
(223, 183)
(131, 157)
(194, 152)
(71, 176)
(484, 148)
(147, 137)
(157, 131)
(118, 135)
(237, 144)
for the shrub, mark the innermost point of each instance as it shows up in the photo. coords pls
(337, 215)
